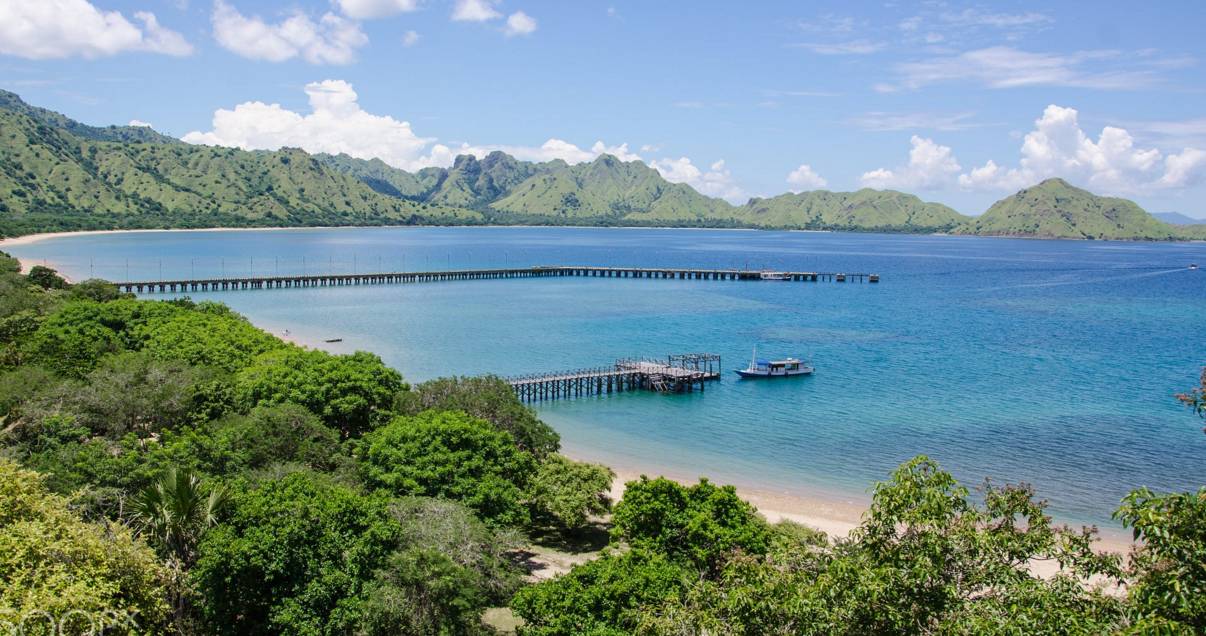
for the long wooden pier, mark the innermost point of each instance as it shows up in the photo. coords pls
(289, 281)
(681, 373)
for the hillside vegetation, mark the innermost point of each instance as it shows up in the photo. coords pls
(58, 174)
(169, 468)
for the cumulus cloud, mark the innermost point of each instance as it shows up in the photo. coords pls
(805, 178)
(139, 122)
(1112, 163)
(51, 29)
(930, 166)
(336, 123)
(519, 23)
(410, 38)
(371, 9)
(717, 181)
(475, 11)
(330, 40)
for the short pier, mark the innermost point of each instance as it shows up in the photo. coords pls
(680, 373)
(389, 278)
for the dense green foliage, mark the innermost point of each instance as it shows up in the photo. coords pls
(169, 459)
(701, 524)
(571, 492)
(449, 454)
(58, 174)
(489, 398)
(58, 570)
(350, 393)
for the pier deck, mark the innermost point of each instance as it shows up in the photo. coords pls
(386, 278)
(674, 374)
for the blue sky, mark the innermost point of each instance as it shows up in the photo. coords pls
(729, 97)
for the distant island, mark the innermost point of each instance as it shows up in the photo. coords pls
(57, 174)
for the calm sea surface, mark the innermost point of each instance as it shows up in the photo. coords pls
(1050, 362)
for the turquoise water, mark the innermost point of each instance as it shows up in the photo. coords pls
(1050, 362)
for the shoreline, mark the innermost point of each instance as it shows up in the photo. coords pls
(29, 239)
(825, 513)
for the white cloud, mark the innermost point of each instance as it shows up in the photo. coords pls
(139, 122)
(336, 124)
(717, 181)
(880, 121)
(1007, 67)
(1187, 168)
(370, 9)
(977, 17)
(330, 40)
(930, 166)
(51, 29)
(1058, 147)
(475, 11)
(519, 23)
(410, 38)
(804, 178)
(853, 47)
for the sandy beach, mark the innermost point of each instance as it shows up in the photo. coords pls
(835, 518)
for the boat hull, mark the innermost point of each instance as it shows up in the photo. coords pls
(746, 373)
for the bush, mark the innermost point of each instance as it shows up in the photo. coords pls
(702, 524)
(570, 491)
(54, 563)
(351, 393)
(451, 455)
(293, 557)
(488, 398)
(604, 597)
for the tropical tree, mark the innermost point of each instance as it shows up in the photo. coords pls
(351, 393)
(1196, 398)
(488, 398)
(59, 570)
(451, 455)
(569, 492)
(177, 510)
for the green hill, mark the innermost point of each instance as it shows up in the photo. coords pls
(60, 174)
(877, 210)
(56, 174)
(1056, 209)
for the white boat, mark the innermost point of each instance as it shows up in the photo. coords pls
(786, 367)
(768, 275)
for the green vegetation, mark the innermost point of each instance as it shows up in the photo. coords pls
(57, 174)
(1056, 209)
(167, 468)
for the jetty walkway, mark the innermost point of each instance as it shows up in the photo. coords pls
(286, 281)
(674, 374)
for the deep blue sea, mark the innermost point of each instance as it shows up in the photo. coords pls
(1050, 362)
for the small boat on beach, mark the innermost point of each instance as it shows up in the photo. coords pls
(769, 275)
(786, 367)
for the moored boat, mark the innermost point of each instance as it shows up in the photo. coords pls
(786, 367)
(769, 275)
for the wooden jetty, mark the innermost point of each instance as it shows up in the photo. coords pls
(288, 281)
(680, 373)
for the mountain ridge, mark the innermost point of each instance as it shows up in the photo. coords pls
(59, 174)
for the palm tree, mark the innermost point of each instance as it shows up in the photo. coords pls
(177, 510)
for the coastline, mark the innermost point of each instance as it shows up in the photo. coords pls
(29, 239)
(825, 513)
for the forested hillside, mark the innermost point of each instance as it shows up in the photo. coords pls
(59, 174)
